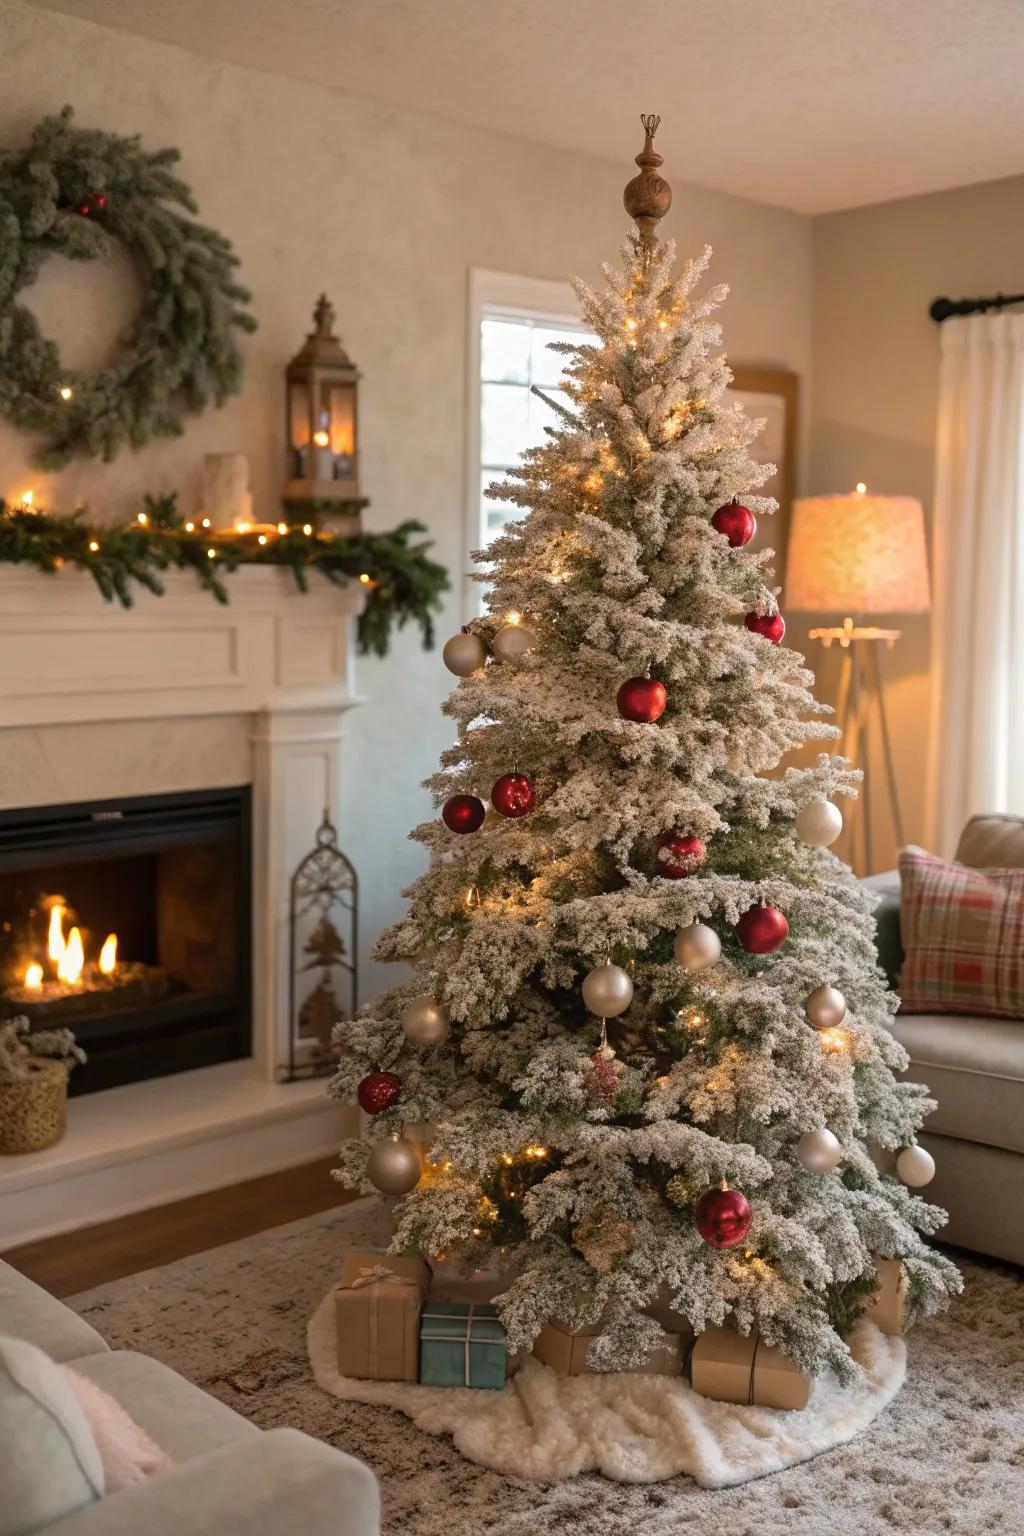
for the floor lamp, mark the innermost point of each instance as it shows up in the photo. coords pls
(861, 555)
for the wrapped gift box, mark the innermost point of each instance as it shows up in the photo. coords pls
(888, 1306)
(378, 1302)
(462, 1344)
(565, 1350)
(735, 1368)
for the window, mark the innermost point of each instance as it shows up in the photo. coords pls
(512, 322)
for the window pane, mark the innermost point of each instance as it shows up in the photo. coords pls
(495, 514)
(505, 351)
(546, 367)
(504, 422)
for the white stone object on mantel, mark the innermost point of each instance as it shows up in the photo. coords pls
(226, 499)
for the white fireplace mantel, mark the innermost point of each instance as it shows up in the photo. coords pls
(87, 688)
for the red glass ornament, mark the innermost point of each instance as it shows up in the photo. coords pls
(723, 1217)
(463, 813)
(772, 627)
(683, 856)
(378, 1091)
(512, 795)
(762, 930)
(737, 522)
(642, 699)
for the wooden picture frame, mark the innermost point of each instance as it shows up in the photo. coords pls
(773, 393)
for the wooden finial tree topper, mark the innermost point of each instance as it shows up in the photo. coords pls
(648, 197)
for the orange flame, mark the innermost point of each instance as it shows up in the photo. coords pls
(108, 955)
(34, 976)
(69, 966)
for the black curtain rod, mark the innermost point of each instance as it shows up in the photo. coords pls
(945, 309)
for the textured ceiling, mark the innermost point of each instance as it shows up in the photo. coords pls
(812, 104)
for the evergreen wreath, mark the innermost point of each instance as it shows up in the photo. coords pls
(72, 192)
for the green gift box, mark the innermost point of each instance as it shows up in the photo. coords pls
(462, 1344)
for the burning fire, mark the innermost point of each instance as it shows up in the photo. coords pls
(71, 962)
(34, 976)
(108, 955)
(67, 955)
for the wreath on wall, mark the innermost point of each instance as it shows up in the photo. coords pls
(72, 192)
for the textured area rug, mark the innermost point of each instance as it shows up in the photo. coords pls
(946, 1458)
(633, 1428)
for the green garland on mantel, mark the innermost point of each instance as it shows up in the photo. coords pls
(400, 580)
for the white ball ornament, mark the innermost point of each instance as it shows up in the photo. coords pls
(395, 1165)
(512, 642)
(819, 823)
(825, 1008)
(697, 946)
(607, 991)
(915, 1166)
(425, 1022)
(818, 1151)
(464, 653)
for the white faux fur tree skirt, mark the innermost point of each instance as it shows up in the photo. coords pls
(632, 1428)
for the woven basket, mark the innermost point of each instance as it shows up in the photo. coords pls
(33, 1113)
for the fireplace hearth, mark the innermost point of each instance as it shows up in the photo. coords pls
(129, 921)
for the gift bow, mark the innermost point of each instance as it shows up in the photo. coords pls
(379, 1272)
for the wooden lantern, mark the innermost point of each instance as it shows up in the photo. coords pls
(322, 423)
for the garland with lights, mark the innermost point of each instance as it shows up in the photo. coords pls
(72, 192)
(401, 581)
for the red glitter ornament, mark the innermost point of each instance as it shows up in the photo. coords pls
(513, 795)
(641, 699)
(762, 929)
(378, 1091)
(723, 1217)
(679, 856)
(771, 626)
(463, 813)
(736, 522)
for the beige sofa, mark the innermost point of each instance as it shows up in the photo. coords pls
(975, 1069)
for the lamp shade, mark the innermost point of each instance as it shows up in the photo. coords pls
(857, 554)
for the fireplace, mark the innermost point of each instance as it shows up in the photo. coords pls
(129, 921)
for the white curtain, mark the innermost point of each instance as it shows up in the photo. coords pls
(976, 760)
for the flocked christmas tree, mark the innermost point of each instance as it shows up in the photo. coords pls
(646, 1020)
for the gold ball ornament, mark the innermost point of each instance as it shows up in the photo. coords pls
(464, 653)
(825, 1008)
(819, 823)
(607, 991)
(915, 1167)
(697, 946)
(425, 1022)
(395, 1165)
(512, 642)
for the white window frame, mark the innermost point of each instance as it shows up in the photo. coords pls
(493, 295)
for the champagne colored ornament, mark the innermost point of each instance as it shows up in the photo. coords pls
(513, 641)
(395, 1165)
(425, 1022)
(642, 699)
(464, 653)
(819, 823)
(697, 946)
(607, 990)
(762, 930)
(736, 522)
(825, 1008)
(463, 813)
(772, 626)
(377, 1091)
(513, 795)
(722, 1216)
(679, 856)
(818, 1151)
(915, 1166)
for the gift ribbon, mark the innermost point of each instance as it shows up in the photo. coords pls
(753, 1369)
(381, 1273)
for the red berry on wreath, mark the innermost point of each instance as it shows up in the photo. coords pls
(512, 795)
(679, 856)
(463, 813)
(762, 929)
(723, 1217)
(378, 1091)
(736, 522)
(771, 626)
(94, 202)
(641, 699)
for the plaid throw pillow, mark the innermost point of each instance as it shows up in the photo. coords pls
(963, 934)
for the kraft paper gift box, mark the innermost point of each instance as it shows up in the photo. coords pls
(733, 1367)
(378, 1302)
(565, 1350)
(462, 1344)
(888, 1306)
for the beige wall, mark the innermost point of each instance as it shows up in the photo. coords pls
(388, 212)
(876, 357)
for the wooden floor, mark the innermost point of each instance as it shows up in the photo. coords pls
(93, 1255)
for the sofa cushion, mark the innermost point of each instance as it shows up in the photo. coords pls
(29, 1312)
(49, 1464)
(183, 1420)
(963, 933)
(992, 842)
(975, 1069)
